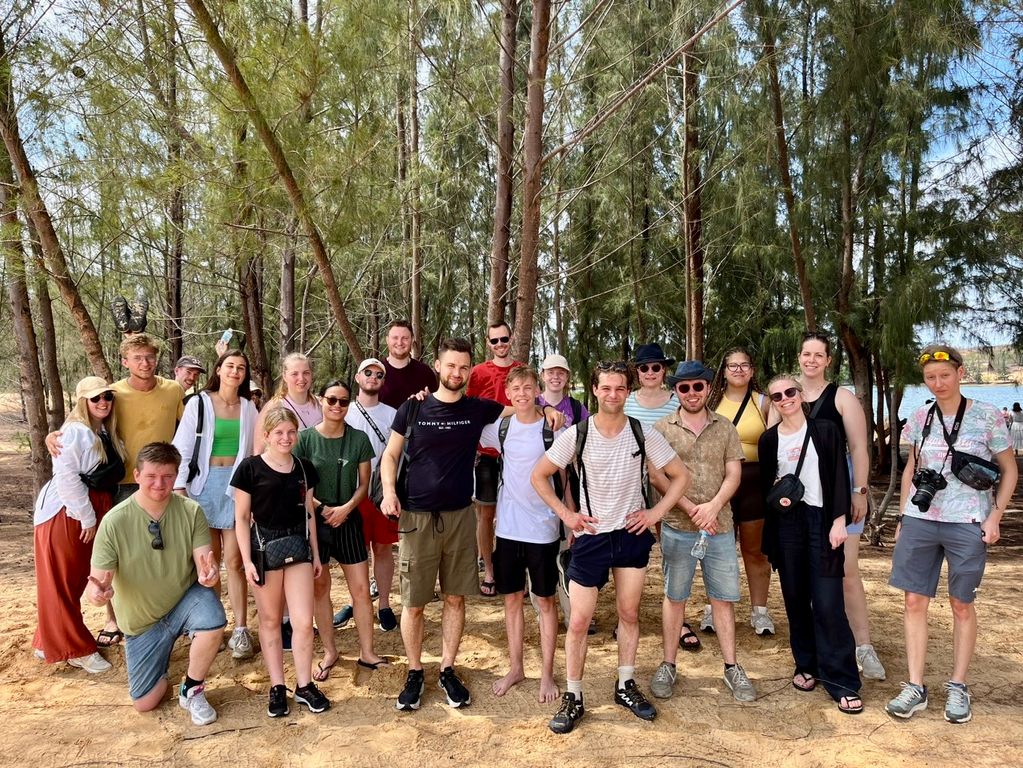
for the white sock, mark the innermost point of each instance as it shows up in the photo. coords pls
(625, 674)
(759, 609)
(575, 687)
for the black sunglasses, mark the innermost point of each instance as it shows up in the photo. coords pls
(154, 531)
(786, 394)
(654, 367)
(373, 374)
(500, 339)
(108, 396)
(344, 402)
(696, 386)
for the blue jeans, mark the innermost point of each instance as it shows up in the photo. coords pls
(720, 566)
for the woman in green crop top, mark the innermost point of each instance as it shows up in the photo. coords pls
(227, 425)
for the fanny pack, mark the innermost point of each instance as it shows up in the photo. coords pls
(980, 474)
(788, 490)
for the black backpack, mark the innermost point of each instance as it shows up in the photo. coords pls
(581, 430)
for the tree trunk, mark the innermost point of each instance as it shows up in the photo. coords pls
(500, 250)
(29, 374)
(415, 233)
(692, 210)
(532, 179)
(51, 370)
(36, 210)
(283, 168)
(175, 324)
(288, 259)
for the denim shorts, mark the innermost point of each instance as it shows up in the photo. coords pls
(720, 566)
(923, 544)
(148, 655)
(854, 529)
(218, 507)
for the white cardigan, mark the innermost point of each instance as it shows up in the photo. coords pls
(79, 452)
(184, 441)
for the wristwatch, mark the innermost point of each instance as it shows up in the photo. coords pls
(860, 489)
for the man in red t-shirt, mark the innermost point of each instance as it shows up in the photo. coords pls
(487, 380)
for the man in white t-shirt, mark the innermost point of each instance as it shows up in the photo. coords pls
(374, 418)
(613, 529)
(528, 531)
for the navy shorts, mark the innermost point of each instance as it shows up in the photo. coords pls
(512, 559)
(594, 555)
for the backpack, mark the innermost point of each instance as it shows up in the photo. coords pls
(581, 430)
(548, 441)
(401, 476)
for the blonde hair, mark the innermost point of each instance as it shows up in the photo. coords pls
(138, 341)
(294, 357)
(276, 416)
(80, 414)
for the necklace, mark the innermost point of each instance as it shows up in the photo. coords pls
(280, 467)
(223, 399)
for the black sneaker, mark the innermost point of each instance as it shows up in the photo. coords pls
(633, 699)
(458, 694)
(571, 712)
(313, 698)
(387, 620)
(286, 635)
(278, 701)
(411, 695)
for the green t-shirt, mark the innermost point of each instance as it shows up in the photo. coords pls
(336, 460)
(149, 582)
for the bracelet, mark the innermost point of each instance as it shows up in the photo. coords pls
(898, 519)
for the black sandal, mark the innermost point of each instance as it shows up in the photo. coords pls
(108, 637)
(687, 638)
(809, 681)
(850, 708)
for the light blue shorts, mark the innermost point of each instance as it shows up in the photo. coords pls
(854, 529)
(148, 655)
(720, 566)
(218, 507)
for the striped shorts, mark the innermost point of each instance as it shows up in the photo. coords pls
(346, 543)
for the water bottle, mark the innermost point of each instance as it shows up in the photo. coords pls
(700, 547)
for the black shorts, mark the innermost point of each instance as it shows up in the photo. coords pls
(594, 555)
(487, 471)
(748, 501)
(346, 543)
(512, 559)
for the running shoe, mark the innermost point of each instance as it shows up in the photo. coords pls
(312, 697)
(739, 684)
(868, 663)
(707, 622)
(278, 706)
(196, 704)
(761, 622)
(342, 617)
(456, 692)
(240, 644)
(374, 590)
(633, 699)
(568, 715)
(957, 703)
(662, 685)
(388, 623)
(411, 695)
(910, 700)
(93, 663)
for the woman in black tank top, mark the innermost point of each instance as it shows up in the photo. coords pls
(829, 402)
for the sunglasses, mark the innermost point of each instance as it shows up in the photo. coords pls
(696, 386)
(944, 357)
(107, 396)
(786, 394)
(344, 402)
(618, 366)
(500, 339)
(736, 367)
(652, 367)
(154, 531)
(373, 374)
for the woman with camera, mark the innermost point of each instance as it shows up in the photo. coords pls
(961, 452)
(805, 483)
(277, 540)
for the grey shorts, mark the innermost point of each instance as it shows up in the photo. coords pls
(923, 544)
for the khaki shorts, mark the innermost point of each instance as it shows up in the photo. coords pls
(430, 545)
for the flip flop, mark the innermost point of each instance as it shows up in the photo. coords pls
(686, 640)
(488, 589)
(323, 670)
(373, 665)
(849, 707)
(107, 638)
(808, 684)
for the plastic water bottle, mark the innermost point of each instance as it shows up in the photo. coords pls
(700, 547)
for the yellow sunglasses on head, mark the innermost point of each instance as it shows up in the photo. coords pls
(944, 357)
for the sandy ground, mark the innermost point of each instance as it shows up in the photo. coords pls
(56, 715)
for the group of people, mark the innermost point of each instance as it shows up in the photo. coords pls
(495, 469)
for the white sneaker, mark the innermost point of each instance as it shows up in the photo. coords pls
(760, 620)
(93, 663)
(868, 663)
(39, 654)
(707, 622)
(240, 644)
(195, 702)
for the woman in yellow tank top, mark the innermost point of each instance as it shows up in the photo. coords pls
(736, 396)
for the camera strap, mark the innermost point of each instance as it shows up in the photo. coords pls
(950, 436)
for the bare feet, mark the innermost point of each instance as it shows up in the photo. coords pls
(548, 691)
(505, 684)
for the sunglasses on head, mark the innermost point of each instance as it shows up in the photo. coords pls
(696, 386)
(373, 374)
(154, 531)
(344, 402)
(500, 339)
(107, 396)
(618, 366)
(940, 355)
(652, 367)
(786, 394)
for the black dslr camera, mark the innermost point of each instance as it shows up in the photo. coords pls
(927, 483)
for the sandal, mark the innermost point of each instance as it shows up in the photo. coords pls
(488, 589)
(850, 705)
(109, 637)
(804, 681)
(373, 665)
(323, 670)
(689, 640)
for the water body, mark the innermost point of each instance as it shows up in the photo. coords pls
(998, 395)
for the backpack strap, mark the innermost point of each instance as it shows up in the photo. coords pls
(548, 441)
(644, 477)
(580, 442)
(502, 434)
(193, 463)
(577, 409)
